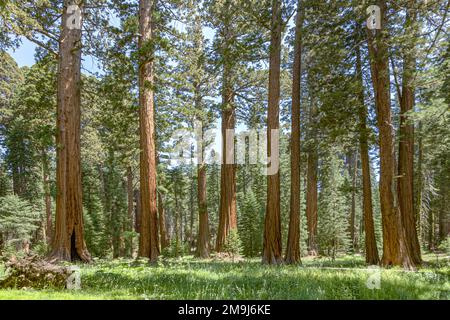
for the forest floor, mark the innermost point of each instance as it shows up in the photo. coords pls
(187, 278)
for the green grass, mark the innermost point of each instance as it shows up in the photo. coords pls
(188, 278)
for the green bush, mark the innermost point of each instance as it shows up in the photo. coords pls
(176, 249)
(18, 221)
(233, 245)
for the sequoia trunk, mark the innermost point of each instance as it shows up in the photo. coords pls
(149, 238)
(405, 184)
(393, 248)
(372, 257)
(293, 244)
(272, 223)
(227, 209)
(68, 237)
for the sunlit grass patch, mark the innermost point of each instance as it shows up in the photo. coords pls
(187, 278)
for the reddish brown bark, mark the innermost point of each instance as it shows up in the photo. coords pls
(405, 182)
(372, 257)
(311, 202)
(311, 184)
(272, 222)
(227, 208)
(293, 244)
(203, 248)
(394, 249)
(419, 184)
(68, 239)
(149, 238)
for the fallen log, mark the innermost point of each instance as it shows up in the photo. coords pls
(33, 272)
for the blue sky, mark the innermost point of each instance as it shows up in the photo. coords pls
(24, 55)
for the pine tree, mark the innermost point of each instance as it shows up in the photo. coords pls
(333, 234)
(250, 224)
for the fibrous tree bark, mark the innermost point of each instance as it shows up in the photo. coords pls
(272, 222)
(227, 207)
(372, 257)
(419, 186)
(405, 182)
(394, 249)
(293, 244)
(311, 181)
(68, 238)
(203, 248)
(149, 238)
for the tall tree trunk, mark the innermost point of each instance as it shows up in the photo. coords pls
(352, 165)
(130, 209)
(191, 201)
(68, 238)
(405, 182)
(393, 245)
(47, 197)
(293, 244)
(372, 257)
(203, 227)
(203, 223)
(311, 202)
(149, 239)
(311, 181)
(178, 222)
(272, 223)
(162, 222)
(163, 235)
(227, 210)
(419, 184)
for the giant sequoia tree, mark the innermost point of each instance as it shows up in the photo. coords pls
(405, 185)
(293, 245)
(226, 59)
(395, 250)
(227, 208)
(272, 223)
(68, 238)
(372, 256)
(149, 238)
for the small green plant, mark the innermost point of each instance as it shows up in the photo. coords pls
(233, 245)
(445, 246)
(176, 249)
(41, 248)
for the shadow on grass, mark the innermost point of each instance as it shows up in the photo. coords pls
(250, 280)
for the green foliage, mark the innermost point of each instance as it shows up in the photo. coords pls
(233, 245)
(333, 209)
(176, 249)
(250, 221)
(18, 220)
